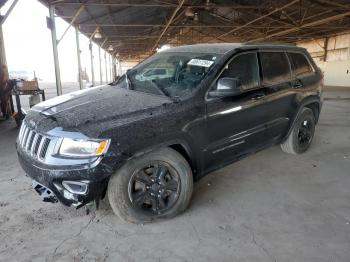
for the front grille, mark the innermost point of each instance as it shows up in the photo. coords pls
(33, 143)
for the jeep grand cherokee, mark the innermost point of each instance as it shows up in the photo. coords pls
(142, 141)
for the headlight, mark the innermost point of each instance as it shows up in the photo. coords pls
(82, 147)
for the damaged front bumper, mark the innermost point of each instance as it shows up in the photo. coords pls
(70, 185)
(46, 194)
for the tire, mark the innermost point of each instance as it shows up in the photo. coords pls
(165, 171)
(300, 138)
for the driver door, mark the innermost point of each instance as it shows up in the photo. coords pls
(236, 125)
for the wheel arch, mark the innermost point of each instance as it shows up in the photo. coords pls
(179, 145)
(312, 103)
(315, 107)
(183, 150)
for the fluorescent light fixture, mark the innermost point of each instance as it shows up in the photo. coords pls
(97, 35)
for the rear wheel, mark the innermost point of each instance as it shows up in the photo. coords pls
(153, 186)
(301, 136)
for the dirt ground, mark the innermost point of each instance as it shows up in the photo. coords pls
(268, 207)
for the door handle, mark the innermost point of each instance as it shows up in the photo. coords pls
(297, 84)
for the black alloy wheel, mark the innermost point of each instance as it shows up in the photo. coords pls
(305, 133)
(154, 188)
(155, 185)
(302, 133)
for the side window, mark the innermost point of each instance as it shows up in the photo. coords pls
(159, 71)
(245, 68)
(275, 67)
(300, 65)
(149, 72)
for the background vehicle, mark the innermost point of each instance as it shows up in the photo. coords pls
(143, 142)
(155, 73)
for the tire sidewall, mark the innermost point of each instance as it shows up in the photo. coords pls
(308, 115)
(118, 194)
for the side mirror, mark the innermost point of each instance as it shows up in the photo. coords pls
(227, 87)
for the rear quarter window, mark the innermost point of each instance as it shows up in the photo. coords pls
(275, 67)
(300, 64)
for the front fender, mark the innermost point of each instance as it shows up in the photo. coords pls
(183, 140)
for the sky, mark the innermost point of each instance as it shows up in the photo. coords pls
(28, 44)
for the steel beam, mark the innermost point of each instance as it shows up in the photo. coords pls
(3, 19)
(71, 22)
(78, 58)
(173, 26)
(54, 49)
(104, 41)
(168, 24)
(160, 5)
(259, 18)
(92, 64)
(93, 33)
(195, 6)
(193, 26)
(333, 3)
(306, 25)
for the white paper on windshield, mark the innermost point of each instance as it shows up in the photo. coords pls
(200, 62)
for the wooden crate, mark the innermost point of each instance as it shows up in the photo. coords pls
(29, 85)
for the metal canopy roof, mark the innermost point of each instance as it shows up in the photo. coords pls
(136, 28)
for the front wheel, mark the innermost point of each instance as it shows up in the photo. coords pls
(301, 136)
(153, 186)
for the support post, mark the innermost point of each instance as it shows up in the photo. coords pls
(3, 60)
(92, 64)
(54, 49)
(3, 78)
(99, 60)
(114, 72)
(106, 67)
(325, 49)
(78, 56)
(110, 67)
(120, 70)
(116, 68)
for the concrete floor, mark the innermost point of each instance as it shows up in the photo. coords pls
(268, 207)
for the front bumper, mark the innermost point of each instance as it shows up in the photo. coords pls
(54, 178)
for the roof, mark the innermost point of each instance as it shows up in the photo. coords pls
(214, 48)
(222, 48)
(136, 28)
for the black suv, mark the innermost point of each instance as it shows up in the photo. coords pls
(143, 140)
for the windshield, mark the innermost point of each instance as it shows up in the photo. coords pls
(171, 74)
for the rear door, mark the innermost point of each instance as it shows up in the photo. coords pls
(303, 74)
(236, 125)
(277, 82)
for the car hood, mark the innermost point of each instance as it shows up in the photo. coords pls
(98, 104)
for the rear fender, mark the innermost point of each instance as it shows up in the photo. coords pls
(307, 102)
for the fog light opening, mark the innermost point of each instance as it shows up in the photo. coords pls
(75, 187)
